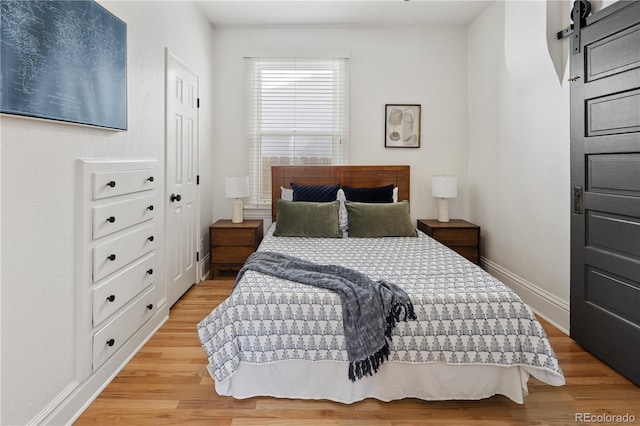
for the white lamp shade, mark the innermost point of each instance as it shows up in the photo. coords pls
(236, 187)
(444, 186)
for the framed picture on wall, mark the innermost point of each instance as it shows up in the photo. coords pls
(402, 126)
(64, 60)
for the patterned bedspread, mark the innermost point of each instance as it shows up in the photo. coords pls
(465, 316)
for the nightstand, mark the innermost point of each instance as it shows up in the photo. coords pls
(459, 235)
(232, 243)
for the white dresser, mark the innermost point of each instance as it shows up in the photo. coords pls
(121, 294)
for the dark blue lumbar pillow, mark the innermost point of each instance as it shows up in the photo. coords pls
(379, 194)
(315, 193)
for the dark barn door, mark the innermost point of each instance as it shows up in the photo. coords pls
(605, 185)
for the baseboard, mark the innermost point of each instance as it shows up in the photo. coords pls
(74, 400)
(548, 306)
(205, 267)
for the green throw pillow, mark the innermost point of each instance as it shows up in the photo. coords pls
(368, 220)
(307, 219)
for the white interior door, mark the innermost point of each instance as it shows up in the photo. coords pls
(181, 175)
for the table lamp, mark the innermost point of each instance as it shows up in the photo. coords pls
(444, 187)
(237, 188)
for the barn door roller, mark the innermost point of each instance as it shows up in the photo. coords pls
(581, 9)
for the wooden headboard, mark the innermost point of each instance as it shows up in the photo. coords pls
(354, 176)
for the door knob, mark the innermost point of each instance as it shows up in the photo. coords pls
(175, 197)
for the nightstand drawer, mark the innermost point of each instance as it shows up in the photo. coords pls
(234, 237)
(236, 255)
(232, 243)
(457, 237)
(460, 236)
(471, 253)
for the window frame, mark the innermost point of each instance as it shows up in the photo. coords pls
(338, 135)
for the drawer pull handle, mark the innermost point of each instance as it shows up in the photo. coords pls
(111, 342)
(150, 306)
(111, 183)
(111, 219)
(111, 298)
(150, 207)
(150, 178)
(175, 197)
(150, 238)
(150, 271)
(111, 257)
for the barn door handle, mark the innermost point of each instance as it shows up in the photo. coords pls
(175, 197)
(577, 199)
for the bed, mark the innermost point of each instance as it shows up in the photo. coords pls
(472, 338)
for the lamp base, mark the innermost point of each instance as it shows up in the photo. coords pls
(443, 210)
(237, 215)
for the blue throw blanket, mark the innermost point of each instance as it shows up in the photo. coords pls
(370, 309)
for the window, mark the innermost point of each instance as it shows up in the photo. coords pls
(298, 114)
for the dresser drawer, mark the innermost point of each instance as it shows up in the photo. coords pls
(109, 257)
(124, 286)
(236, 237)
(114, 217)
(111, 184)
(114, 334)
(457, 237)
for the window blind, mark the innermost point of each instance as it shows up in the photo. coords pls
(297, 114)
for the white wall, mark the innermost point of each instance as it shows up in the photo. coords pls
(418, 66)
(519, 151)
(518, 137)
(38, 214)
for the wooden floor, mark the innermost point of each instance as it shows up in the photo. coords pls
(167, 383)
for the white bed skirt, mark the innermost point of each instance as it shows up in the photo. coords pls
(428, 381)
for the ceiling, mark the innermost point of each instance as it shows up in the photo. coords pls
(331, 13)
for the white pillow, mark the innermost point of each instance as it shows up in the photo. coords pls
(286, 193)
(343, 219)
(395, 194)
